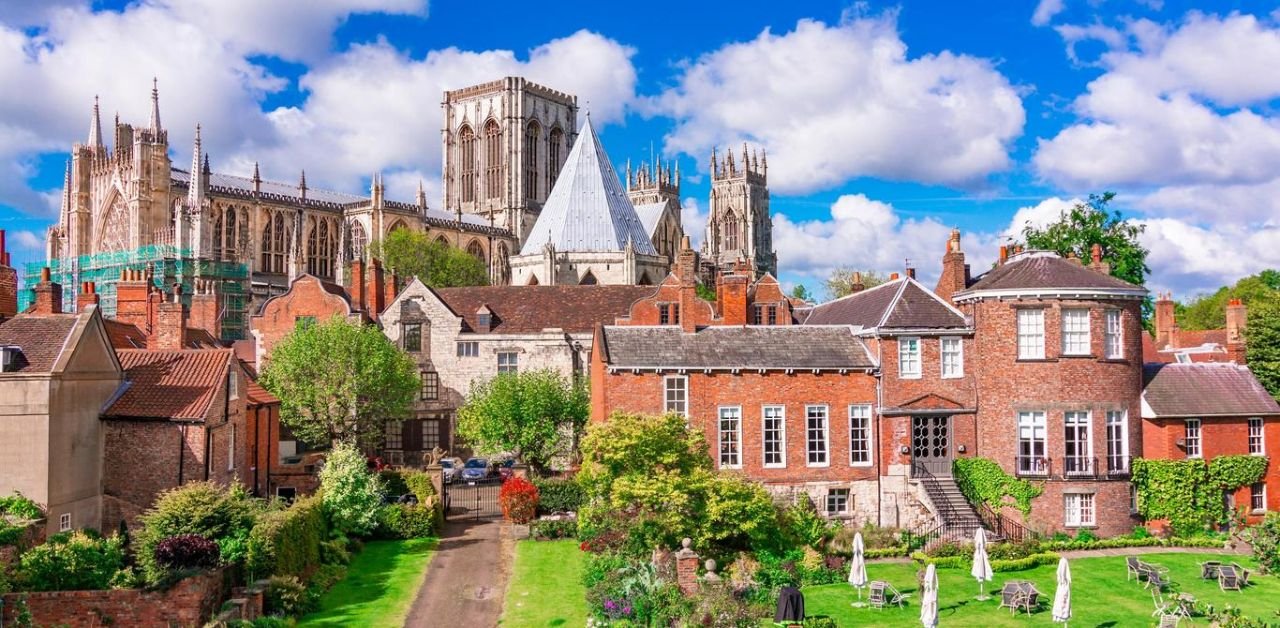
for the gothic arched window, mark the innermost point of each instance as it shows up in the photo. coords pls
(320, 249)
(357, 240)
(442, 241)
(492, 160)
(531, 160)
(275, 240)
(475, 250)
(731, 231)
(554, 140)
(467, 165)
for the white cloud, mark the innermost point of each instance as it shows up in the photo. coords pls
(1043, 213)
(374, 107)
(1045, 10)
(1190, 259)
(27, 240)
(694, 221)
(835, 102)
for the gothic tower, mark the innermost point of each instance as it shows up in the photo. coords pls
(739, 226)
(654, 190)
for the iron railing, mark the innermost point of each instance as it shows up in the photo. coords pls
(1118, 465)
(941, 525)
(1079, 466)
(1033, 466)
(1002, 526)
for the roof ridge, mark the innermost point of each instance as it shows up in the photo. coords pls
(893, 303)
(859, 292)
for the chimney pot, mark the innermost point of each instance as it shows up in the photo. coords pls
(1004, 253)
(893, 276)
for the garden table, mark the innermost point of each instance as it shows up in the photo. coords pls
(1209, 570)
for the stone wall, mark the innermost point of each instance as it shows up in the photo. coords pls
(188, 603)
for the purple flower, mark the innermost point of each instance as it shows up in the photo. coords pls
(610, 605)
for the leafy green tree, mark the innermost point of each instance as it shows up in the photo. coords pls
(705, 292)
(840, 282)
(351, 493)
(800, 291)
(630, 444)
(530, 414)
(340, 380)
(413, 254)
(1209, 311)
(1262, 344)
(1089, 223)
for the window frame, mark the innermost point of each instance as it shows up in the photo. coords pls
(734, 414)
(428, 386)
(393, 427)
(411, 330)
(1258, 496)
(1122, 427)
(1113, 335)
(1073, 339)
(1073, 422)
(1198, 439)
(959, 356)
(683, 389)
(231, 449)
(1040, 426)
(781, 431)
(512, 359)
(1260, 437)
(839, 493)
(468, 349)
(1080, 510)
(64, 522)
(809, 430)
(918, 371)
(868, 439)
(1035, 339)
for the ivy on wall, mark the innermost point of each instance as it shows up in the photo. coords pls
(1189, 492)
(983, 482)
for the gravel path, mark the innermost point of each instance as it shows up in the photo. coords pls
(467, 580)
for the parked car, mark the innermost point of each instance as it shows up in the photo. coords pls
(504, 468)
(477, 469)
(451, 468)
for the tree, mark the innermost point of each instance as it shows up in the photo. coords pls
(530, 414)
(800, 291)
(340, 380)
(1209, 311)
(1089, 223)
(350, 492)
(840, 282)
(1262, 344)
(413, 254)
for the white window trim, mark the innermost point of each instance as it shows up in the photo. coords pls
(1080, 522)
(1088, 331)
(1253, 510)
(1107, 335)
(942, 357)
(1018, 333)
(685, 378)
(231, 449)
(826, 436)
(720, 438)
(1124, 434)
(782, 433)
(1199, 438)
(64, 522)
(871, 441)
(919, 371)
(1088, 428)
(1262, 437)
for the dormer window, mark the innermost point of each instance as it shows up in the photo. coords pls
(484, 319)
(9, 358)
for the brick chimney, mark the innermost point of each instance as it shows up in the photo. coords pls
(1095, 260)
(893, 276)
(856, 284)
(687, 272)
(1237, 321)
(391, 288)
(356, 284)
(955, 273)
(1166, 323)
(205, 312)
(1004, 255)
(171, 324)
(375, 290)
(8, 283)
(731, 291)
(48, 294)
(87, 296)
(911, 272)
(133, 300)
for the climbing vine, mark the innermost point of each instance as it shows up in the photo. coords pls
(1189, 492)
(983, 482)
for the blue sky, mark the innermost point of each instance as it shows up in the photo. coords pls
(886, 124)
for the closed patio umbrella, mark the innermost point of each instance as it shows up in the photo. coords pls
(929, 604)
(981, 564)
(1062, 597)
(858, 567)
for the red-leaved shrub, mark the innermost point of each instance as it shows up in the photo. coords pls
(186, 551)
(519, 500)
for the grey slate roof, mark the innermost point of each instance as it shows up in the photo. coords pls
(649, 214)
(1044, 270)
(588, 210)
(899, 304)
(1203, 389)
(732, 347)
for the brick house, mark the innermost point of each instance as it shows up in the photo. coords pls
(459, 335)
(1058, 369)
(57, 371)
(1171, 343)
(1205, 410)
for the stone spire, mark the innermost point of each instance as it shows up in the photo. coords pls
(195, 187)
(155, 107)
(95, 126)
(66, 194)
(422, 196)
(257, 179)
(302, 186)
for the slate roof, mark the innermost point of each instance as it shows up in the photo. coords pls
(1203, 389)
(1044, 270)
(42, 339)
(526, 309)
(170, 385)
(649, 214)
(899, 304)
(734, 347)
(587, 209)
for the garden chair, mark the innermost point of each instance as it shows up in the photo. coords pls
(883, 594)
(1209, 570)
(1228, 579)
(1010, 594)
(1030, 599)
(1163, 608)
(1243, 573)
(1133, 568)
(1169, 621)
(1158, 580)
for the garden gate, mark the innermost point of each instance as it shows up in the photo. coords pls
(472, 499)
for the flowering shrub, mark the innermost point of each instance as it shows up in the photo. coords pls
(519, 500)
(71, 561)
(187, 551)
(351, 493)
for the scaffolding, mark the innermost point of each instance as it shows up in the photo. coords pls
(169, 265)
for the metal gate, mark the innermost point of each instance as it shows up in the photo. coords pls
(474, 499)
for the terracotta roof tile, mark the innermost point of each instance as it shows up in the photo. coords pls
(1199, 390)
(41, 338)
(750, 347)
(258, 395)
(175, 385)
(526, 309)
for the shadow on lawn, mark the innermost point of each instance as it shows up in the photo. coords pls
(367, 582)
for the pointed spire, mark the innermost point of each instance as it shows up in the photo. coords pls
(95, 126)
(629, 180)
(746, 161)
(257, 179)
(195, 182)
(422, 195)
(302, 185)
(207, 170)
(714, 174)
(66, 192)
(155, 106)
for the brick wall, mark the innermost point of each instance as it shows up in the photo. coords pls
(8, 283)
(1219, 436)
(280, 314)
(188, 603)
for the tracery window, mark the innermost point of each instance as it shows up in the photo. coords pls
(115, 229)
(475, 250)
(731, 234)
(467, 165)
(321, 249)
(554, 141)
(275, 238)
(531, 160)
(492, 160)
(357, 240)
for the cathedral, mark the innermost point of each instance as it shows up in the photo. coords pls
(526, 191)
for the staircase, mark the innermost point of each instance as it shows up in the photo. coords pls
(954, 517)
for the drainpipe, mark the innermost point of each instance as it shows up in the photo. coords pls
(257, 423)
(269, 453)
(879, 432)
(182, 450)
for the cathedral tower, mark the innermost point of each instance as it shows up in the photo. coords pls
(654, 190)
(739, 226)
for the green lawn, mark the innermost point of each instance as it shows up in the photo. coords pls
(381, 583)
(546, 586)
(1100, 595)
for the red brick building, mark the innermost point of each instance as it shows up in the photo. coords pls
(1208, 410)
(1171, 343)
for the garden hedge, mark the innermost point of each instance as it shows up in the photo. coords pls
(558, 495)
(287, 542)
(1015, 564)
(399, 482)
